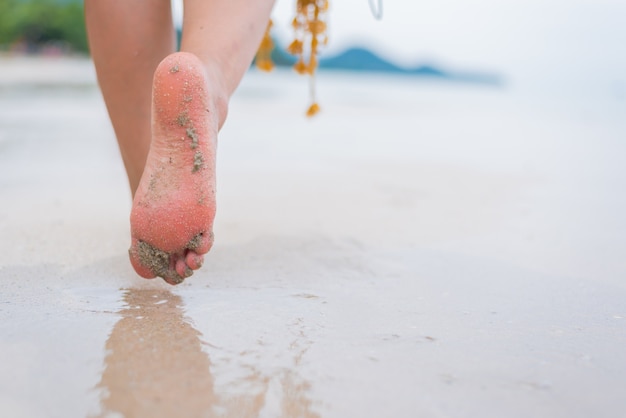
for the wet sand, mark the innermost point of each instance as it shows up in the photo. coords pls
(419, 249)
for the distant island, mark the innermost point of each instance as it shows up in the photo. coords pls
(363, 60)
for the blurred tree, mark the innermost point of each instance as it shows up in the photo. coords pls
(35, 24)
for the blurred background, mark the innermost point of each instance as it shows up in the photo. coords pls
(50, 27)
(557, 46)
(561, 47)
(446, 238)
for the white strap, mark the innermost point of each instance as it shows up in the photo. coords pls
(377, 9)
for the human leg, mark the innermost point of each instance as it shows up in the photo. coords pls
(225, 35)
(128, 39)
(174, 207)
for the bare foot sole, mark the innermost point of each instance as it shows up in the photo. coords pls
(174, 206)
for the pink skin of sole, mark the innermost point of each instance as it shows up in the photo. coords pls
(174, 206)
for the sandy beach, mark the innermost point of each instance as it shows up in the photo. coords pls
(420, 249)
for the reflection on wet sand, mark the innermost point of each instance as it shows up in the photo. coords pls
(155, 367)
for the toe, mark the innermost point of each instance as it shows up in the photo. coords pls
(202, 243)
(140, 268)
(173, 278)
(182, 269)
(194, 260)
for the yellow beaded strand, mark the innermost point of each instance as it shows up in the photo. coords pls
(264, 54)
(310, 28)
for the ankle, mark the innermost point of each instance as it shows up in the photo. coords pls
(220, 101)
(218, 88)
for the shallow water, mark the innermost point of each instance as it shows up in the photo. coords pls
(420, 249)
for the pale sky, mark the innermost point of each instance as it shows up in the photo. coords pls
(574, 41)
